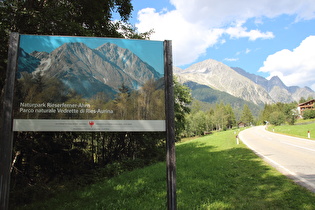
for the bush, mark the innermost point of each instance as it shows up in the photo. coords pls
(277, 118)
(309, 114)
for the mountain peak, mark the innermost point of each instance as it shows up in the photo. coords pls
(205, 67)
(277, 89)
(107, 45)
(75, 48)
(219, 76)
(72, 45)
(276, 81)
(275, 78)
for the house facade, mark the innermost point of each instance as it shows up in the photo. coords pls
(305, 106)
(241, 125)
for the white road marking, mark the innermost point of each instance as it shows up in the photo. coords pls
(313, 150)
(310, 185)
(292, 137)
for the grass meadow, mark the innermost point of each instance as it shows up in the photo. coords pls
(213, 172)
(298, 130)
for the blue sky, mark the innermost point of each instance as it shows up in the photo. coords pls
(267, 37)
(149, 51)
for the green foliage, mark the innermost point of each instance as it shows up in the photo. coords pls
(197, 123)
(231, 120)
(222, 117)
(277, 118)
(285, 112)
(81, 17)
(45, 159)
(309, 114)
(247, 116)
(182, 98)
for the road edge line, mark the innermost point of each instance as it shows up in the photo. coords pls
(296, 178)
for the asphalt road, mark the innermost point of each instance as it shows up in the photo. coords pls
(294, 157)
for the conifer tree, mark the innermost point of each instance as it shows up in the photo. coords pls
(247, 116)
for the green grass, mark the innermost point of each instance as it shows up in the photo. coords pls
(299, 130)
(212, 173)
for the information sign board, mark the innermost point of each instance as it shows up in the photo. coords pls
(89, 84)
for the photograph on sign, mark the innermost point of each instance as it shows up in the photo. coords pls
(89, 84)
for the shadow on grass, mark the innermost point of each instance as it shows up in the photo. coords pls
(209, 176)
(139, 189)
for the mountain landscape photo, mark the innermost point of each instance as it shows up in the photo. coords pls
(89, 71)
(108, 82)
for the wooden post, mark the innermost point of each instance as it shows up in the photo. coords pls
(170, 127)
(6, 134)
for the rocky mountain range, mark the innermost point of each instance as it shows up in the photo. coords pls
(278, 91)
(239, 83)
(88, 71)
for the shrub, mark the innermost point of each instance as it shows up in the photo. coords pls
(309, 114)
(277, 118)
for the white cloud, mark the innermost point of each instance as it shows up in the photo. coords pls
(226, 11)
(296, 67)
(231, 59)
(189, 40)
(241, 32)
(246, 51)
(194, 26)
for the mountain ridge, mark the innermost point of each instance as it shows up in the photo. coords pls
(221, 77)
(276, 88)
(239, 83)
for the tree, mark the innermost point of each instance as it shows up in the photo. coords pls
(231, 121)
(66, 17)
(146, 99)
(309, 114)
(288, 111)
(277, 118)
(209, 120)
(195, 107)
(219, 116)
(265, 114)
(124, 89)
(198, 122)
(247, 116)
(182, 98)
